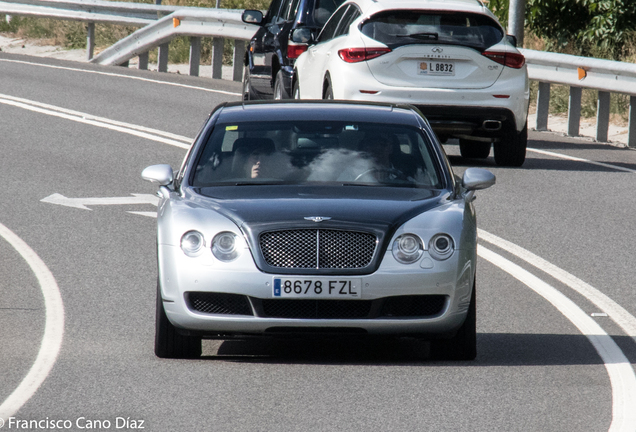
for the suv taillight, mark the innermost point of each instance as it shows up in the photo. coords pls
(513, 60)
(294, 50)
(355, 55)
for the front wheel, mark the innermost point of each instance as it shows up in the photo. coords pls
(247, 90)
(279, 88)
(463, 346)
(510, 150)
(169, 343)
(296, 90)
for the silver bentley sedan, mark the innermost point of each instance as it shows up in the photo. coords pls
(303, 218)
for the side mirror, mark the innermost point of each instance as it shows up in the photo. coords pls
(302, 35)
(161, 174)
(512, 39)
(477, 178)
(252, 17)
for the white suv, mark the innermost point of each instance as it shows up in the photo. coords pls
(450, 58)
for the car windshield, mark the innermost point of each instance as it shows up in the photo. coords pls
(397, 28)
(343, 153)
(323, 10)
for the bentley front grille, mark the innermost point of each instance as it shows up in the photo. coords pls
(318, 249)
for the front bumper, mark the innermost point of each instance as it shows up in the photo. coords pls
(390, 301)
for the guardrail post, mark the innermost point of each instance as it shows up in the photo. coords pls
(602, 116)
(217, 57)
(574, 111)
(543, 106)
(631, 135)
(195, 55)
(239, 54)
(162, 57)
(90, 40)
(143, 61)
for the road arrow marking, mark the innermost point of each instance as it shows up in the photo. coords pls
(81, 203)
(147, 214)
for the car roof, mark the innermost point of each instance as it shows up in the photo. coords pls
(298, 110)
(373, 6)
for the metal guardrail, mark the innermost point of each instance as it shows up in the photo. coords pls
(606, 76)
(163, 23)
(195, 23)
(124, 13)
(160, 25)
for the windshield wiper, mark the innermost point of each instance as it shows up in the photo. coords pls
(260, 183)
(426, 36)
(390, 184)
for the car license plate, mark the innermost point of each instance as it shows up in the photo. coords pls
(317, 287)
(437, 68)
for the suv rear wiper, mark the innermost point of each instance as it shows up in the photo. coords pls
(427, 36)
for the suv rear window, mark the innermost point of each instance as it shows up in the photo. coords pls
(397, 28)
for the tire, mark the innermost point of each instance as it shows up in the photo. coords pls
(511, 149)
(296, 90)
(168, 342)
(328, 93)
(463, 346)
(247, 90)
(279, 88)
(474, 149)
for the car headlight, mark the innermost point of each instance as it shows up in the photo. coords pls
(407, 248)
(441, 247)
(192, 243)
(224, 246)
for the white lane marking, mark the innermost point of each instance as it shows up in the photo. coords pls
(619, 369)
(84, 118)
(99, 119)
(81, 203)
(53, 329)
(615, 311)
(572, 158)
(123, 76)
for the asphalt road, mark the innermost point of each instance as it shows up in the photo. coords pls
(535, 369)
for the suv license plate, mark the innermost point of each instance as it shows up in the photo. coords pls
(317, 288)
(437, 68)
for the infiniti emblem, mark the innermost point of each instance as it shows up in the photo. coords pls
(437, 50)
(317, 218)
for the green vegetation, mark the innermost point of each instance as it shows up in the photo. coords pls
(592, 28)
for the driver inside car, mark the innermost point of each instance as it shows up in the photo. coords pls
(380, 161)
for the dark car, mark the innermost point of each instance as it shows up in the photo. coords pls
(303, 218)
(269, 61)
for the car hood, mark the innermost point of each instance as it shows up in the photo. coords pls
(267, 205)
